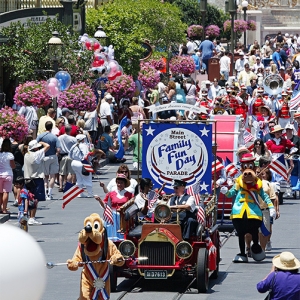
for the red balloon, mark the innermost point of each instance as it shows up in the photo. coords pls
(96, 46)
(88, 45)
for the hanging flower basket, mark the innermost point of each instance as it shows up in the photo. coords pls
(12, 125)
(212, 31)
(251, 25)
(195, 32)
(182, 65)
(239, 26)
(122, 87)
(32, 93)
(148, 76)
(158, 64)
(78, 97)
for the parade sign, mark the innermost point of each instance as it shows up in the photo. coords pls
(182, 151)
(177, 106)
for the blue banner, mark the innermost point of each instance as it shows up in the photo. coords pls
(182, 151)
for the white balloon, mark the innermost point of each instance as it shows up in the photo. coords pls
(22, 261)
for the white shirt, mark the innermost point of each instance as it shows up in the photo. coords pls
(105, 110)
(91, 117)
(79, 151)
(66, 143)
(239, 64)
(5, 168)
(112, 186)
(190, 202)
(33, 166)
(225, 63)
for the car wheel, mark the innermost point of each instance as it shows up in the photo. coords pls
(202, 271)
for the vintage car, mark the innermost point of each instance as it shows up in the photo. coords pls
(163, 251)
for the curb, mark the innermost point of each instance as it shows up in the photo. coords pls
(4, 218)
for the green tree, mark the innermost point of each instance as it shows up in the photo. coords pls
(26, 52)
(128, 23)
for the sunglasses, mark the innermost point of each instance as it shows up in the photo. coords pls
(123, 172)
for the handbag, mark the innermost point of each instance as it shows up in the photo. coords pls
(271, 288)
(84, 171)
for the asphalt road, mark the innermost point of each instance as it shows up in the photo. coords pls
(58, 239)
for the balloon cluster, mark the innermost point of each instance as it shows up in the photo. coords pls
(60, 82)
(101, 61)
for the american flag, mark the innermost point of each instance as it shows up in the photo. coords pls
(247, 136)
(194, 190)
(87, 166)
(265, 131)
(217, 165)
(295, 101)
(278, 165)
(152, 197)
(108, 214)
(71, 191)
(201, 215)
(230, 168)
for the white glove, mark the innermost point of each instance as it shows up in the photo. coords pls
(293, 150)
(224, 190)
(273, 213)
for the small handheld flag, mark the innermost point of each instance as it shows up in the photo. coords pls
(88, 167)
(108, 214)
(71, 191)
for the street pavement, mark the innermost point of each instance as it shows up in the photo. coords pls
(58, 239)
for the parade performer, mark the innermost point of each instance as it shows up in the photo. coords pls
(94, 252)
(284, 111)
(246, 214)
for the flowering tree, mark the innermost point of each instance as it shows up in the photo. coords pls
(195, 31)
(148, 75)
(78, 97)
(12, 125)
(212, 31)
(182, 65)
(122, 87)
(251, 25)
(32, 93)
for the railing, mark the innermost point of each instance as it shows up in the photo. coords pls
(9, 5)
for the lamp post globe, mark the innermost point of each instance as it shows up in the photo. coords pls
(55, 47)
(100, 35)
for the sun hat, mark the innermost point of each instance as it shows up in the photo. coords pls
(277, 128)
(124, 100)
(289, 126)
(80, 137)
(265, 107)
(108, 96)
(248, 157)
(33, 145)
(242, 149)
(286, 261)
(123, 177)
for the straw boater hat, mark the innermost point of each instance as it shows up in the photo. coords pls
(277, 128)
(286, 261)
(248, 157)
(284, 93)
(260, 89)
(123, 177)
(242, 149)
(265, 107)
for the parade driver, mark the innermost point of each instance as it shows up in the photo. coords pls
(186, 207)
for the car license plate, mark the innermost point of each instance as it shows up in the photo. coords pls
(155, 274)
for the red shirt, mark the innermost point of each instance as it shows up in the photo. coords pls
(284, 143)
(118, 198)
(74, 130)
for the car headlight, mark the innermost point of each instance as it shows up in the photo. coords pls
(127, 248)
(184, 250)
(162, 213)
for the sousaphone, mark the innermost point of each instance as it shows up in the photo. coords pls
(273, 84)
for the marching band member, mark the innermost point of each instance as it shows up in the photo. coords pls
(284, 111)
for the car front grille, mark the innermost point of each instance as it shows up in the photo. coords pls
(158, 253)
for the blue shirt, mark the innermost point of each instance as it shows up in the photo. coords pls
(105, 142)
(51, 139)
(197, 61)
(276, 57)
(207, 48)
(286, 286)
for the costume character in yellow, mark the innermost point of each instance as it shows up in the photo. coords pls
(246, 214)
(94, 253)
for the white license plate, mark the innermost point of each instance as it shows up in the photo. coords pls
(155, 274)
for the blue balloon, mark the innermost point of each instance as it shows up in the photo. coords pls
(64, 78)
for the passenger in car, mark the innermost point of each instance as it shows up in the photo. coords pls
(186, 206)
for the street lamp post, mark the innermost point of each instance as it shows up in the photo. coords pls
(55, 53)
(100, 35)
(203, 9)
(232, 11)
(245, 6)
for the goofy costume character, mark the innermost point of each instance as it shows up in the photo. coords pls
(246, 214)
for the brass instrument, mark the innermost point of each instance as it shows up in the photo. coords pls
(273, 84)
